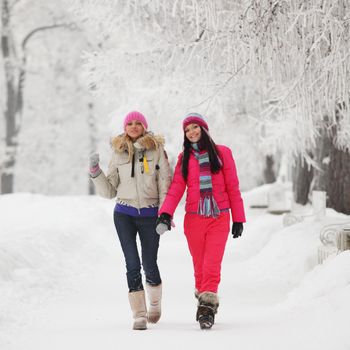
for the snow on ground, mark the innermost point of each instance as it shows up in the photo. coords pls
(63, 286)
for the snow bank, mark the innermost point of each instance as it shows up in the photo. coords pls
(323, 282)
(271, 282)
(44, 243)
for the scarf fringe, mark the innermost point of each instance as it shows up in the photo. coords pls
(208, 207)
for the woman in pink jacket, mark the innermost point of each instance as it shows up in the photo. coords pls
(209, 173)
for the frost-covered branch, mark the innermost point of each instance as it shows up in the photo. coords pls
(44, 28)
(300, 47)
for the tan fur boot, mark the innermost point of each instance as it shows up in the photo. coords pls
(138, 306)
(196, 293)
(154, 297)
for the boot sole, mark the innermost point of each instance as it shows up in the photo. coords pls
(206, 325)
(139, 328)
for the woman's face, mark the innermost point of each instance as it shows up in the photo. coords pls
(193, 132)
(134, 129)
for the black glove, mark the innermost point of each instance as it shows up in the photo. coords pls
(163, 223)
(237, 229)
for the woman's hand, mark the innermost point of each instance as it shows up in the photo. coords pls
(163, 223)
(94, 165)
(237, 229)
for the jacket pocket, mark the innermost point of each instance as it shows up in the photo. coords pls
(151, 192)
(150, 185)
(222, 196)
(124, 171)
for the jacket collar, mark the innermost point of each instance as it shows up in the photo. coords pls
(149, 141)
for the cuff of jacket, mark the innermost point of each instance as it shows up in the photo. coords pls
(94, 172)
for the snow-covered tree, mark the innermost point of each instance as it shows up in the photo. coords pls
(14, 51)
(299, 47)
(295, 52)
(49, 114)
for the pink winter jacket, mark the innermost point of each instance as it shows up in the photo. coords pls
(225, 187)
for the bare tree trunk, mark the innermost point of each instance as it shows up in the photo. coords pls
(302, 177)
(11, 104)
(339, 181)
(269, 172)
(322, 153)
(15, 81)
(93, 141)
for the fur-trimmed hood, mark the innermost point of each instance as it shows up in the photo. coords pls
(149, 141)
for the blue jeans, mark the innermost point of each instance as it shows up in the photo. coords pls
(127, 227)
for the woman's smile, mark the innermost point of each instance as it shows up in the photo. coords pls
(193, 132)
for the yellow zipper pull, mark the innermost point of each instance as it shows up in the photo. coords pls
(145, 164)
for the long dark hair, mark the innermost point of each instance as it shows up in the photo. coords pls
(205, 143)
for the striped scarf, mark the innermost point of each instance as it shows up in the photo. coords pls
(207, 205)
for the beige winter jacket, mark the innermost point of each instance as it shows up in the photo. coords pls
(148, 187)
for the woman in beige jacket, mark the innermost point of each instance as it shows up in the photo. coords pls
(138, 176)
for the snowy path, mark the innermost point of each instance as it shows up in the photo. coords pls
(88, 308)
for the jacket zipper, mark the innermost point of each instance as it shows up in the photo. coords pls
(137, 194)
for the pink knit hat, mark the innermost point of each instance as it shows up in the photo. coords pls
(135, 116)
(195, 118)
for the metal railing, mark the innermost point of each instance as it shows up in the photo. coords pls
(335, 239)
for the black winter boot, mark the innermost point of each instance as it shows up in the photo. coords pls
(207, 308)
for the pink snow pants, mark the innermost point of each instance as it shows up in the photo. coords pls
(206, 238)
